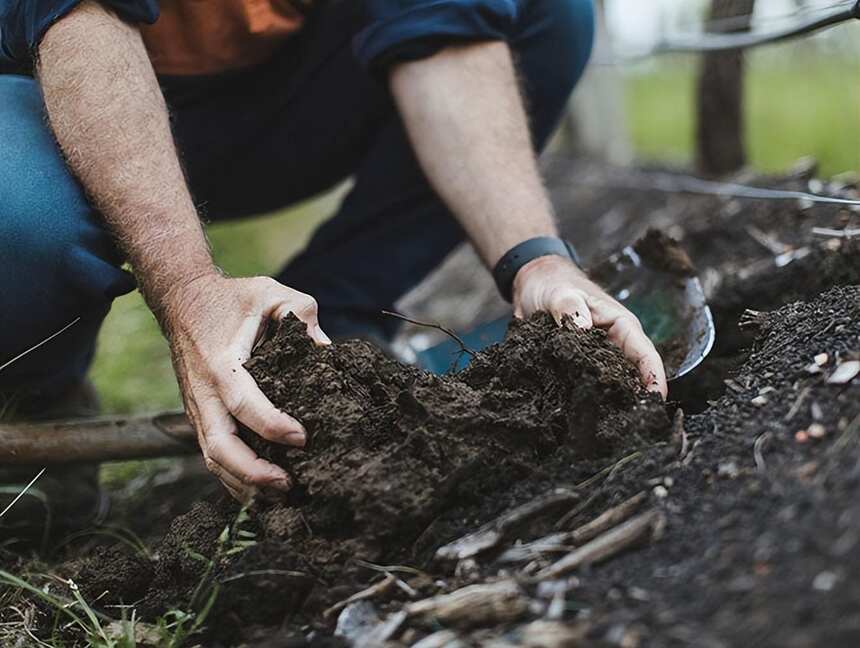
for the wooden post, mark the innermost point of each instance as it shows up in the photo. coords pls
(720, 147)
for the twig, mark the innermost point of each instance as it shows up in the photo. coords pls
(553, 543)
(758, 446)
(385, 569)
(268, 572)
(770, 243)
(576, 510)
(608, 519)
(374, 590)
(679, 434)
(493, 533)
(838, 233)
(438, 327)
(605, 546)
(473, 605)
(795, 408)
(605, 471)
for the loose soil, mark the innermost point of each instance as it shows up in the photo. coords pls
(757, 486)
(396, 457)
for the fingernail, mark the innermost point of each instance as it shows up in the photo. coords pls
(297, 439)
(320, 335)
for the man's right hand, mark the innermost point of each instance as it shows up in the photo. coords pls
(212, 323)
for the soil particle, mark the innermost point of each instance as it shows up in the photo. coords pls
(760, 526)
(114, 573)
(661, 252)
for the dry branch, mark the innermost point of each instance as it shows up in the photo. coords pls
(605, 546)
(98, 439)
(553, 543)
(474, 605)
(493, 533)
(608, 519)
(374, 590)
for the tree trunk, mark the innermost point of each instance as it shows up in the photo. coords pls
(720, 145)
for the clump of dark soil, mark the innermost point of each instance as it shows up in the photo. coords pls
(663, 253)
(396, 457)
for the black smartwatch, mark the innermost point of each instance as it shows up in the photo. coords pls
(519, 255)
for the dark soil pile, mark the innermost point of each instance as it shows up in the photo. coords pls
(398, 461)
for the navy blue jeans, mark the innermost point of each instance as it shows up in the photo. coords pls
(252, 142)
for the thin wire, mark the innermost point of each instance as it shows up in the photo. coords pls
(42, 343)
(715, 42)
(742, 22)
(690, 184)
(21, 494)
(721, 42)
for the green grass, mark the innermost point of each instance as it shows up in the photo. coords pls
(804, 107)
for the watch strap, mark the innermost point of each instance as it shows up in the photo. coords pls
(507, 267)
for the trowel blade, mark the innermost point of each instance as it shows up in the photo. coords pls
(672, 309)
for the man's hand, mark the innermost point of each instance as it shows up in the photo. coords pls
(108, 114)
(213, 323)
(555, 285)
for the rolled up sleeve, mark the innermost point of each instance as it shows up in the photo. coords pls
(401, 30)
(23, 23)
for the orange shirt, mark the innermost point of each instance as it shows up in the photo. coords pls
(211, 36)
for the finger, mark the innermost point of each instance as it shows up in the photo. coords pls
(242, 494)
(639, 348)
(229, 458)
(625, 331)
(306, 309)
(571, 303)
(249, 405)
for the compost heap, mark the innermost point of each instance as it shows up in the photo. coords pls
(397, 462)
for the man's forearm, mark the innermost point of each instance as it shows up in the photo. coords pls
(107, 112)
(465, 117)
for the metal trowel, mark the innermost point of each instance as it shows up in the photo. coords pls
(671, 306)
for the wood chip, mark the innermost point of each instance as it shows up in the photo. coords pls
(759, 401)
(821, 359)
(376, 589)
(553, 543)
(474, 605)
(493, 533)
(608, 519)
(845, 373)
(607, 545)
(552, 634)
(441, 639)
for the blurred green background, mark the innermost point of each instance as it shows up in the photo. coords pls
(798, 103)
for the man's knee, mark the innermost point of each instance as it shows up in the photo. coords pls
(57, 262)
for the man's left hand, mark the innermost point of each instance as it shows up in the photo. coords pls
(556, 285)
